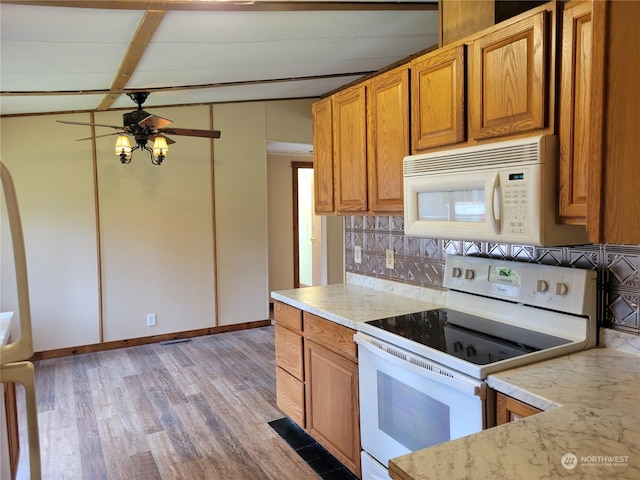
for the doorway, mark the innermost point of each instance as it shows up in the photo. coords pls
(307, 245)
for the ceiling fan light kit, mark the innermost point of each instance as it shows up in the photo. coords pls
(143, 126)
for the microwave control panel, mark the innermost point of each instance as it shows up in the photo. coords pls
(516, 202)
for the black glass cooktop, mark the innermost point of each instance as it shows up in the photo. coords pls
(469, 337)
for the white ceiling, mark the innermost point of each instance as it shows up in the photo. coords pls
(56, 58)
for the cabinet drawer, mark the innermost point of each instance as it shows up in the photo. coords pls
(289, 351)
(290, 396)
(288, 316)
(332, 335)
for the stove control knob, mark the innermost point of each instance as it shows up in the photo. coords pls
(457, 346)
(542, 286)
(469, 274)
(562, 289)
(456, 272)
(471, 352)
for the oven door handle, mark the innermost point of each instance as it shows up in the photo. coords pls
(420, 366)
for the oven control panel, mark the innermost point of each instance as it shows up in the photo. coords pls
(560, 288)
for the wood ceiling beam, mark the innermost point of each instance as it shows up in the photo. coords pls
(218, 5)
(146, 29)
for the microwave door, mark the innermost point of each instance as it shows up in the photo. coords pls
(461, 206)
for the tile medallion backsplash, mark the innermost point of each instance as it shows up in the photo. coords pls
(420, 261)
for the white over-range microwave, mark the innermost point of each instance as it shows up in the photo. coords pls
(498, 192)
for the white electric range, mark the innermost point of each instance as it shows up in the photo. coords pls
(422, 374)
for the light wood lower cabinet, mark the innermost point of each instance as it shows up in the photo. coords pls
(317, 380)
(332, 403)
(290, 396)
(289, 342)
(509, 409)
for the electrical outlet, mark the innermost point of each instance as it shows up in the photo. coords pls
(389, 259)
(357, 254)
(151, 320)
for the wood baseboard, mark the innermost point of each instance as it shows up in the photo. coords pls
(99, 347)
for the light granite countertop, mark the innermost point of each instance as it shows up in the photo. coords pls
(592, 415)
(360, 300)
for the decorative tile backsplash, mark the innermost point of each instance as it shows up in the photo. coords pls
(420, 261)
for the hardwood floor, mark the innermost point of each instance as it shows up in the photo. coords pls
(192, 410)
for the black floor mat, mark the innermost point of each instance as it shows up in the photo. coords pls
(322, 462)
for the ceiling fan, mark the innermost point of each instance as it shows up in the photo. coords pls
(144, 126)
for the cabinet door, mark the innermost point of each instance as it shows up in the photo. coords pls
(508, 88)
(323, 156)
(510, 410)
(332, 403)
(575, 114)
(438, 99)
(350, 150)
(388, 138)
(614, 203)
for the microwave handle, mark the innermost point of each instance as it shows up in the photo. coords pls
(494, 218)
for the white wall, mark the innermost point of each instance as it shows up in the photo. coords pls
(53, 176)
(155, 223)
(241, 212)
(156, 228)
(289, 121)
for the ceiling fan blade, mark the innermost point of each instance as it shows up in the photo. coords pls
(169, 140)
(90, 124)
(191, 132)
(99, 136)
(154, 122)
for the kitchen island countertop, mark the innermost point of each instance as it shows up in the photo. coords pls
(591, 419)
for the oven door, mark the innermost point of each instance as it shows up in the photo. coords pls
(408, 403)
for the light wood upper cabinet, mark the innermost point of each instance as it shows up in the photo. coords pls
(350, 150)
(388, 138)
(613, 170)
(323, 156)
(508, 79)
(575, 113)
(438, 98)
(598, 163)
